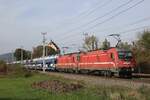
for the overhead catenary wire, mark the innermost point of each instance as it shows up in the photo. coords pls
(87, 12)
(127, 10)
(90, 11)
(96, 6)
(126, 25)
(134, 29)
(106, 14)
(135, 23)
(142, 28)
(117, 14)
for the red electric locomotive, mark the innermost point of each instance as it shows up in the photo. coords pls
(106, 62)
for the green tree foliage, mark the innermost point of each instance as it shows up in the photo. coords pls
(125, 45)
(141, 50)
(38, 51)
(90, 43)
(19, 51)
(106, 44)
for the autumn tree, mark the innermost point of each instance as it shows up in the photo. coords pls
(144, 40)
(37, 51)
(141, 50)
(90, 43)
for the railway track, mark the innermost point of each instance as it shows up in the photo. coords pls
(99, 80)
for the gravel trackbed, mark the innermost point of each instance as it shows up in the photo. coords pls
(97, 80)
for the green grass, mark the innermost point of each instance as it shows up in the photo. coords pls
(20, 89)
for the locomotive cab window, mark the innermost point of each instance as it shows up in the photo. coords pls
(126, 55)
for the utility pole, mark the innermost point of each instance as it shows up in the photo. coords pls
(44, 40)
(46, 50)
(32, 53)
(21, 54)
(12, 59)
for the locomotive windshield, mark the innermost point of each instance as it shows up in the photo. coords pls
(126, 55)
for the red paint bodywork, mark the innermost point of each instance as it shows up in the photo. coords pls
(94, 60)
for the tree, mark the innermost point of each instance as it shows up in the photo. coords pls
(144, 40)
(106, 45)
(125, 45)
(90, 43)
(25, 54)
(38, 51)
(141, 50)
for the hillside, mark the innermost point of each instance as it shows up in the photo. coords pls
(6, 57)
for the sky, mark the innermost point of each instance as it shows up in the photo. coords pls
(65, 21)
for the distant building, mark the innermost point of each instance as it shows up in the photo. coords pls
(54, 46)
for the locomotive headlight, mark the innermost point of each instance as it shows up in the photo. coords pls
(126, 63)
(132, 69)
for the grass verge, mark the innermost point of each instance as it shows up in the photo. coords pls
(16, 83)
(20, 88)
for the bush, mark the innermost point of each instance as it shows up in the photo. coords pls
(144, 67)
(18, 70)
(3, 67)
(28, 73)
(15, 70)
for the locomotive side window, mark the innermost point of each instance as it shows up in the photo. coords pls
(112, 56)
(78, 57)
